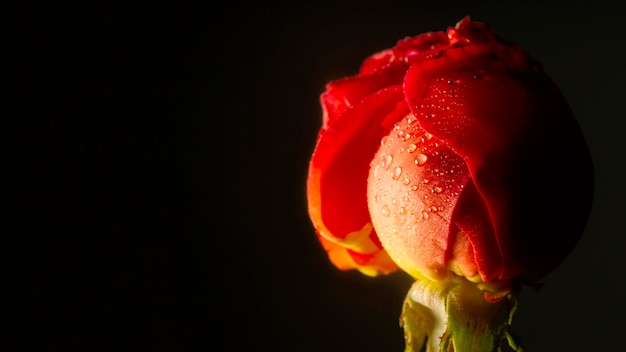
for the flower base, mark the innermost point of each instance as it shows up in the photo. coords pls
(456, 317)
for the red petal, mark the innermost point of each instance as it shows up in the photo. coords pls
(471, 216)
(337, 181)
(406, 51)
(422, 47)
(376, 62)
(494, 107)
(345, 93)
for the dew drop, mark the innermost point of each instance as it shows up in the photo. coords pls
(437, 189)
(414, 188)
(433, 209)
(421, 159)
(425, 181)
(396, 173)
(412, 147)
(425, 215)
(385, 210)
(377, 198)
(387, 159)
(384, 140)
(402, 210)
(406, 181)
(394, 201)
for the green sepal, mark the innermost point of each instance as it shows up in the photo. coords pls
(455, 317)
(417, 322)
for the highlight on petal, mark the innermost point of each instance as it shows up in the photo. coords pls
(414, 184)
(337, 180)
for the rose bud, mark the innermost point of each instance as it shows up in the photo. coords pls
(455, 157)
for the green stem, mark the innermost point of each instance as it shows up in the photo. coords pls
(455, 317)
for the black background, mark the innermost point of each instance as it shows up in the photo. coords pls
(156, 161)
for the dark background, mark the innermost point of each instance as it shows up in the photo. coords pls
(156, 158)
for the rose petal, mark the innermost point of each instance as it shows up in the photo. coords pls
(337, 181)
(406, 51)
(471, 216)
(370, 264)
(498, 110)
(414, 183)
(343, 94)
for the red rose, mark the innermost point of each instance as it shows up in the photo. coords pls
(452, 154)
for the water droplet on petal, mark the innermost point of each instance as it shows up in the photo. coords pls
(421, 159)
(385, 210)
(402, 210)
(437, 189)
(425, 215)
(406, 181)
(377, 198)
(394, 201)
(387, 159)
(396, 173)
(412, 147)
